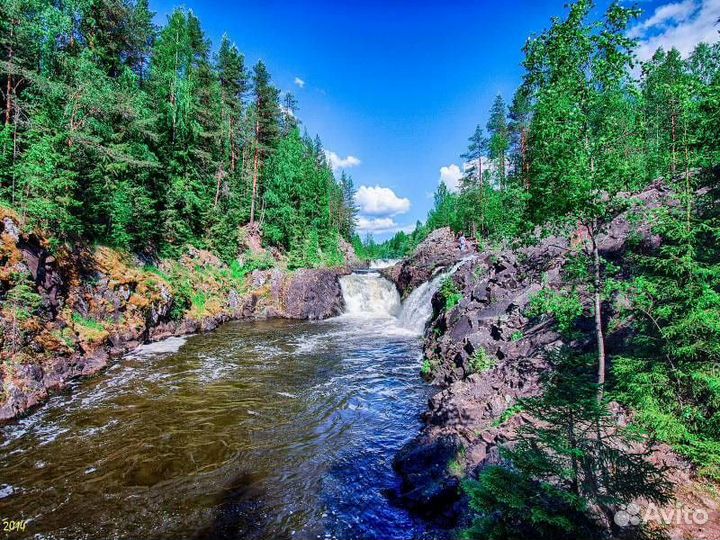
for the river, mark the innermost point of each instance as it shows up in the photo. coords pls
(259, 430)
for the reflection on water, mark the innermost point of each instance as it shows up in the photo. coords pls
(270, 429)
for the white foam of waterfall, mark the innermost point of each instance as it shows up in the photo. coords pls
(383, 263)
(417, 307)
(369, 295)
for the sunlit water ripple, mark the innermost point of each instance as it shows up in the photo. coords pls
(270, 429)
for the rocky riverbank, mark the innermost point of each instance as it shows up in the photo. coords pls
(66, 313)
(484, 352)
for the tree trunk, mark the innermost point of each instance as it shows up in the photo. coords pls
(232, 146)
(220, 175)
(255, 176)
(8, 93)
(523, 156)
(173, 88)
(688, 202)
(672, 157)
(597, 298)
(573, 446)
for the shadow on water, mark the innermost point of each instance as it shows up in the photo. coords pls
(239, 512)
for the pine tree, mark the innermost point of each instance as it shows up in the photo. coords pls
(267, 127)
(499, 140)
(520, 114)
(477, 146)
(569, 468)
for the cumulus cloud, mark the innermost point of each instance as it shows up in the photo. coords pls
(381, 225)
(376, 225)
(664, 15)
(451, 176)
(337, 162)
(299, 82)
(678, 24)
(380, 201)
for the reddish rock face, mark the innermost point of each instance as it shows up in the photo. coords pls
(439, 249)
(96, 305)
(465, 415)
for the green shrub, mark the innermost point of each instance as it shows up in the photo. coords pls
(565, 307)
(199, 300)
(481, 361)
(92, 324)
(450, 293)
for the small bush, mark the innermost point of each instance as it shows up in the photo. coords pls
(450, 292)
(481, 361)
(565, 307)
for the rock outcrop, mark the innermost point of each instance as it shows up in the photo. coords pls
(304, 294)
(439, 249)
(485, 353)
(67, 314)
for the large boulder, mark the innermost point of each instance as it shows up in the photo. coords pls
(305, 294)
(312, 294)
(439, 249)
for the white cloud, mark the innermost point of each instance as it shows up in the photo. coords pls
(451, 175)
(381, 226)
(668, 13)
(337, 162)
(299, 82)
(680, 24)
(376, 225)
(380, 201)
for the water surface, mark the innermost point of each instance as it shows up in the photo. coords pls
(270, 429)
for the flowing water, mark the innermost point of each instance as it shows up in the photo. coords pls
(273, 429)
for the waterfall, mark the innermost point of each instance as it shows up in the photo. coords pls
(417, 307)
(383, 263)
(369, 295)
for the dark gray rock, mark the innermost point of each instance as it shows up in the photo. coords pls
(439, 249)
(490, 324)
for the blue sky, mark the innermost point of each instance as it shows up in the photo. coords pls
(394, 88)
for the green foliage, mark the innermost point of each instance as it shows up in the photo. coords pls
(456, 466)
(517, 335)
(481, 361)
(568, 473)
(672, 377)
(426, 368)
(450, 293)
(564, 306)
(22, 300)
(91, 324)
(239, 271)
(508, 414)
(198, 302)
(119, 132)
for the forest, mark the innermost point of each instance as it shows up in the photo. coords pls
(589, 125)
(118, 132)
